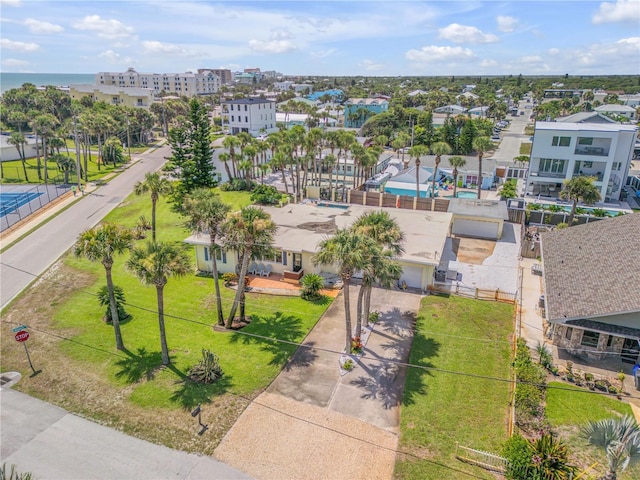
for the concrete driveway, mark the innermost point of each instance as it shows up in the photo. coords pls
(310, 408)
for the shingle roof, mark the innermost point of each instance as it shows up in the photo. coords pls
(592, 270)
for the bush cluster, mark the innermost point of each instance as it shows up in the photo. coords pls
(530, 391)
(238, 185)
(266, 195)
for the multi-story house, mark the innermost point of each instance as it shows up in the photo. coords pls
(255, 116)
(562, 151)
(358, 110)
(126, 96)
(183, 84)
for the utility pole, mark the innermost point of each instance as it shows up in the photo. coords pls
(128, 137)
(75, 142)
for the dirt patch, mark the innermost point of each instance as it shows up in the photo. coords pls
(472, 250)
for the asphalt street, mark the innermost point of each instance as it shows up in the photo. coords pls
(34, 254)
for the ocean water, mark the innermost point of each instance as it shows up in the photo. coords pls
(15, 80)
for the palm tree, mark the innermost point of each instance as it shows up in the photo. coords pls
(620, 437)
(456, 162)
(249, 232)
(231, 143)
(438, 149)
(206, 213)
(153, 264)
(155, 185)
(579, 189)
(100, 244)
(481, 145)
(348, 250)
(416, 152)
(17, 140)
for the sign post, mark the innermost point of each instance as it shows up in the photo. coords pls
(22, 336)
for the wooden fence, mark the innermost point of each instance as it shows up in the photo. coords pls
(377, 199)
(486, 460)
(477, 293)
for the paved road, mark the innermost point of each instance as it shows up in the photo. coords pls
(53, 444)
(35, 253)
(512, 137)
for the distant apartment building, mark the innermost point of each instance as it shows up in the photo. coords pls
(225, 75)
(255, 116)
(114, 95)
(358, 110)
(283, 86)
(563, 150)
(188, 84)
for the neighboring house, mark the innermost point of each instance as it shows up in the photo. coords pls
(451, 110)
(591, 277)
(586, 117)
(301, 227)
(336, 95)
(283, 86)
(303, 88)
(417, 92)
(405, 182)
(255, 116)
(562, 151)
(555, 93)
(292, 119)
(225, 75)
(630, 100)
(478, 112)
(188, 84)
(282, 105)
(358, 110)
(246, 78)
(9, 152)
(468, 95)
(478, 218)
(114, 95)
(621, 110)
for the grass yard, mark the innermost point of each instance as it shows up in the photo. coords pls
(134, 148)
(440, 409)
(83, 372)
(570, 407)
(525, 148)
(14, 173)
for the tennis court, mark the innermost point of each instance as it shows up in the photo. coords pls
(17, 202)
(10, 202)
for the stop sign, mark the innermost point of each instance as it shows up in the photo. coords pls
(22, 336)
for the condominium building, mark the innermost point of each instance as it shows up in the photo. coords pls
(115, 95)
(255, 116)
(225, 74)
(562, 151)
(188, 84)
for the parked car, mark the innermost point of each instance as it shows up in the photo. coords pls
(495, 138)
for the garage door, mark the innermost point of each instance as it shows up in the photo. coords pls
(412, 276)
(474, 228)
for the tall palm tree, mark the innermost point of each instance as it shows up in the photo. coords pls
(579, 189)
(481, 145)
(206, 212)
(438, 149)
(231, 143)
(153, 264)
(416, 152)
(100, 244)
(620, 437)
(249, 232)
(18, 140)
(155, 185)
(348, 250)
(456, 162)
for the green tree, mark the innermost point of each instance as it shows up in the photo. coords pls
(113, 151)
(481, 145)
(206, 213)
(155, 185)
(154, 264)
(438, 149)
(100, 244)
(249, 232)
(457, 163)
(467, 134)
(416, 152)
(509, 189)
(620, 438)
(311, 284)
(18, 140)
(579, 189)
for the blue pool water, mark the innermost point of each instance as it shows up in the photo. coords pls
(11, 201)
(464, 194)
(332, 205)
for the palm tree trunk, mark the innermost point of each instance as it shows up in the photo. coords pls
(479, 176)
(44, 153)
(367, 304)
(573, 211)
(114, 310)
(216, 282)
(153, 218)
(455, 182)
(284, 180)
(418, 177)
(347, 313)
(237, 299)
(39, 165)
(163, 333)
(359, 310)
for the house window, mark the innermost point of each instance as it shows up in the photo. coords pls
(561, 141)
(568, 332)
(585, 140)
(233, 118)
(551, 165)
(590, 339)
(245, 108)
(276, 258)
(610, 341)
(246, 119)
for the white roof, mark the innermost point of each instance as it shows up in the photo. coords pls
(112, 90)
(615, 108)
(590, 127)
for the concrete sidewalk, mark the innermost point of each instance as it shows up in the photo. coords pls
(51, 443)
(312, 422)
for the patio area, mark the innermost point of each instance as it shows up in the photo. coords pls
(274, 284)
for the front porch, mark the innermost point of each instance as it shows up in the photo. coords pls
(276, 284)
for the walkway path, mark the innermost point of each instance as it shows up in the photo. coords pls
(51, 443)
(313, 423)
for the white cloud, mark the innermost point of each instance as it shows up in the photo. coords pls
(36, 26)
(531, 59)
(12, 62)
(488, 63)
(370, 65)
(601, 54)
(621, 11)
(553, 51)
(507, 24)
(18, 46)
(109, 29)
(434, 54)
(457, 33)
(115, 58)
(319, 54)
(280, 43)
(155, 47)
(11, 3)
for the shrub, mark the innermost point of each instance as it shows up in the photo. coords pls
(516, 450)
(229, 277)
(237, 185)
(348, 364)
(208, 370)
(356, 345)
(13, 474)
(311, 284)
(588, 377)
(266, 195)
(374, 316)
(103, 298)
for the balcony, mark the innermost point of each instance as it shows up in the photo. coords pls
(548, 174)
(592, 151)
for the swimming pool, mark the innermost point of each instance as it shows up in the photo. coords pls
(11, 201)
(332, 205)
(464, 194)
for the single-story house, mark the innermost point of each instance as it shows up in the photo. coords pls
(614, 109)
(477, 218)
(451, 109)
(592, 288)
(478, 112)
(301, 227)
(404, 183)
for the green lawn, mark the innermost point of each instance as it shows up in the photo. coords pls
(14, 173)
(440, 409)
(134, 148)
(571, 405)
(525, 148)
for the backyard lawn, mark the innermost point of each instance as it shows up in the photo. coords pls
(81, 370)
(439, 408)
(13, 171)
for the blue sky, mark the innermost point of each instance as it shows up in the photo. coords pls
(323, 38)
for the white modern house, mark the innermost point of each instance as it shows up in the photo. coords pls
(188, 84)
(562, 151)
(255, 116)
